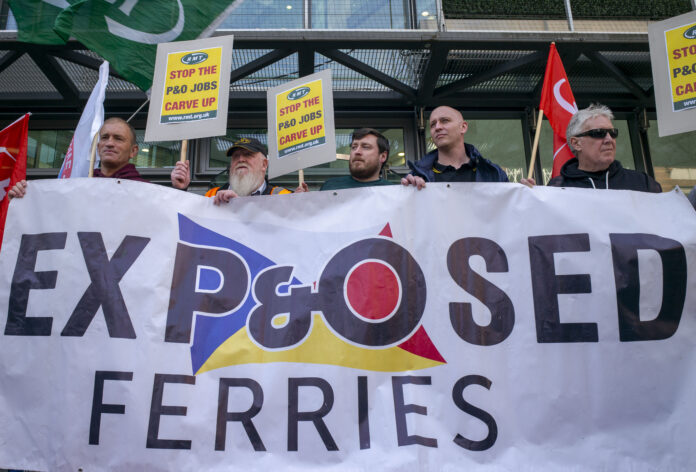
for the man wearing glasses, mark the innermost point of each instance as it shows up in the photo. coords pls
(591, 137)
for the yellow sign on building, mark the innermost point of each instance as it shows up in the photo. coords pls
(681, 60)
(192, 85)
(300, 118)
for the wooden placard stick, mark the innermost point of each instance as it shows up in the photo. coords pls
(184, 150)
(93, 154)
(535, 145)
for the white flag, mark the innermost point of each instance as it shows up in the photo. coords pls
(76, 163)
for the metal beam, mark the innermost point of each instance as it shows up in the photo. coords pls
(85, 61)
(8, 59)
(259, 63)
(615, 72)
(305, 61)
(56, 74)
(369, 72)
(501, 69)
(433, 69)
(569, 59)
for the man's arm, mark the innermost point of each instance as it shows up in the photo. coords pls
(181, 176)
(18, 191)
(411, 179)
(528, 182)
(224, 196)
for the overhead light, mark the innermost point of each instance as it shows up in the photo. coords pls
(289, 7)
(145, 150)
(401, 154)
(425, 13)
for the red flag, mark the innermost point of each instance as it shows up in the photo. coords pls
(559, 106)
(13, 161)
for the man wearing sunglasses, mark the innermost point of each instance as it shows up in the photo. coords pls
(591, 137)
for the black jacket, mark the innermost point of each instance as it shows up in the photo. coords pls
(614, 177)
(486, 171)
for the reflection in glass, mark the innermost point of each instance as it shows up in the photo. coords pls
(360, 14)
(156, 154)
(673, 158)
(266, 14)
(46, 150)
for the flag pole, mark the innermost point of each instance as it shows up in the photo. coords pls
(184, 150)
(535, 145)
(93, 155)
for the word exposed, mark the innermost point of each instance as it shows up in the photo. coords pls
(185, 300)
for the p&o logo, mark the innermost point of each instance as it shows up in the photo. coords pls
(239, 307)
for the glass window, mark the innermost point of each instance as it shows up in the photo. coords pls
(266, 14)
(624, 153)
(673, 158)
(360, 14)
(499, 141)
(155, 154)
(426, 14)
(46, 148)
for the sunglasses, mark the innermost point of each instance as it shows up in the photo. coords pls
(599, 133)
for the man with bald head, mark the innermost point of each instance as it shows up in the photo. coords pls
(453, 160)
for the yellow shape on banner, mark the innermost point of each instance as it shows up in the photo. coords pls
(191, 86)
(300, 117)
(681, 60)
(320, 347)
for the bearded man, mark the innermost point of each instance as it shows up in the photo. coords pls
(248, 164)
(369, 151)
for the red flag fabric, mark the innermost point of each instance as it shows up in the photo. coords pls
(13, 161)
(559, 106)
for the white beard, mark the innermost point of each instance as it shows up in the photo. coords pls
(245, 185)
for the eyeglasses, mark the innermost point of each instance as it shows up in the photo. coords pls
(599, 133)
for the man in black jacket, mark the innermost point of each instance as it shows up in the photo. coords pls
(591, 136)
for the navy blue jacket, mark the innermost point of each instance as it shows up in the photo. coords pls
(485, 170)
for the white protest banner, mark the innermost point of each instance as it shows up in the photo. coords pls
(190, 89)
(673, 61)
(378, 327)
(301, 124)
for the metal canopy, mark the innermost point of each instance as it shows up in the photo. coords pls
(372, 70)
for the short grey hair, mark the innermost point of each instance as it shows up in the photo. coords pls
(577, 122)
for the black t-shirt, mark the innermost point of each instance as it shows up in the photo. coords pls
(465, 173)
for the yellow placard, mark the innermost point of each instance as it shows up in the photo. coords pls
(300, 118)
(681, 60)
(191, 86)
